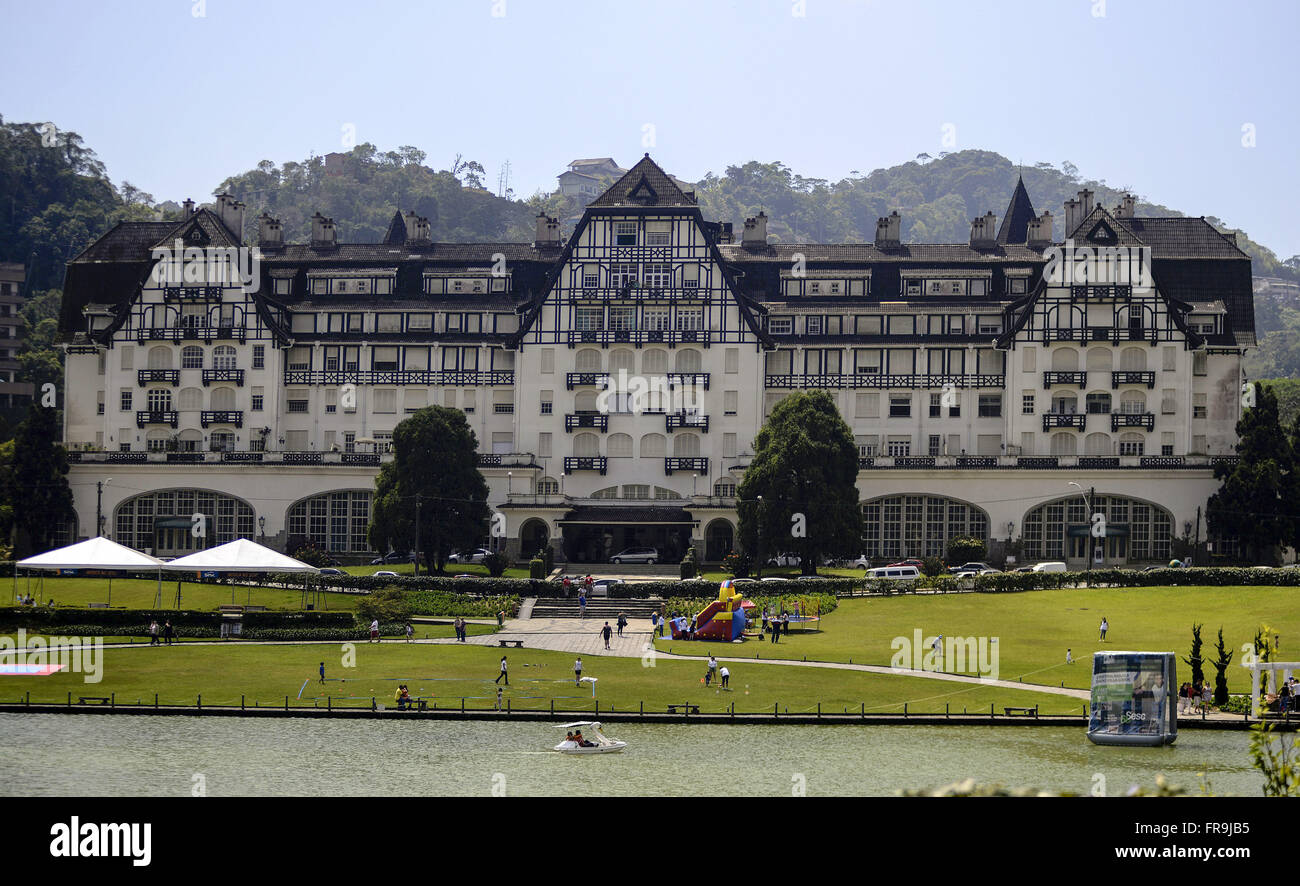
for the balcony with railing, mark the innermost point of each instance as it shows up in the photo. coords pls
(639, 336)
(222, 417)
(1056, 377)
(688, 420)
(191, 293)
(223, 375)
(156, 417)
(1132, 377)
(641, 293)
(683, 379)
(1076, 420)
(877, 380)
(191, 332)
(577, 379)
(585, 463)
(161, 376)
(457, 377)
(699, 465)
(1144, 420)
(507, 460)
(596, 420)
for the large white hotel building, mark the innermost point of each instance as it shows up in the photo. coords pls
(987, 397)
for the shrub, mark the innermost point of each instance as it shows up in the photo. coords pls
(386, 606)
(496, 564)
(689, 567)
(964, 549)
(932, 566)
(737, 563)
(312, 555)
(536, 568)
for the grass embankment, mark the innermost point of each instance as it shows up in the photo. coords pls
(266, 674)
(1034, 628)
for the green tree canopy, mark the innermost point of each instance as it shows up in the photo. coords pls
(36, 483)
(434, 468)
(805, 467)
(1257, 502)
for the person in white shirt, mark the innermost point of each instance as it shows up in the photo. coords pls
(577, 672)
(726, 677)
(1069, 657)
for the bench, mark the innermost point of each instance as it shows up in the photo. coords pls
(688, 708)
(97, 605)
(97, 699)
(254, 608)
(1023, 712)
(415, 704)
(519, 644)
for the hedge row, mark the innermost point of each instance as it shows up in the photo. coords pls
(443, 603)
(822, 604)
(204, 632)
(1129, 578)
(44, 617)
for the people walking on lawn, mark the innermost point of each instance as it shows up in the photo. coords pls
(1069, 656)
(726, 677)
(776, 630)
(712, 672)
(153, 633)
(577, 672)
(374, 631)
(322, 672)
(498, 698)
(1105, 626)
(501, 618)
(505, 673)
(605, 632)
(168, 632)
(410, 632)
(582, 604)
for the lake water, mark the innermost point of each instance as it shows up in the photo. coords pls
(141, 755)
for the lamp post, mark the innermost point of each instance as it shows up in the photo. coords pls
(1087, 519)
(99, 505)
(261, 527)
(758, 558)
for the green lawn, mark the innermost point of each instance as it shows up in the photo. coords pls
(267, 674)
(140, 594)
(1035, 628)
(420, 632)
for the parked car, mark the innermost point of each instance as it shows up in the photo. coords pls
(816, 577)
(394, 557)
(910, 561)
(475, 556)
(972, 567)
(777, 578)
(600, 587)
(636, 555)
(863, 562)
(1049, 566)
(330, 571)
(784, 560)
(384, 573)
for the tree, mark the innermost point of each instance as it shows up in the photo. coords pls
(1195, 660)
(1254, 504)
(434, 471)
(805, 469)
(36, 484)
(1221, 672)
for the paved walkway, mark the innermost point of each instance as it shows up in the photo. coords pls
(577, 636)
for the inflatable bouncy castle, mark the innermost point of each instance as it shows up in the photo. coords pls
(723, 619)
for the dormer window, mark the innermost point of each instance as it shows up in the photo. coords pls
(625, 233)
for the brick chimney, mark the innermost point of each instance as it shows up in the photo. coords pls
(322, 232)
(188, 206)
(887, 231)
(755, 231)
(1073, 217)
(1039, 234)
(269, 233)
(548, 231)
(1125, 207)
(231, 213)
(417, 228)
(983, 231)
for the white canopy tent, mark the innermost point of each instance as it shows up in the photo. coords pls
(240, 555)
(94, 553)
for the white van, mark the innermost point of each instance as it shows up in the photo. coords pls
(895, 573)
(1050, 566)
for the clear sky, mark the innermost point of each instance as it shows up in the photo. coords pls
(174, 95)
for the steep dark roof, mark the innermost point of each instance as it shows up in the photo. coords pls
(1181, 237)
(645, 184)
(396, 234)
(1020, 212)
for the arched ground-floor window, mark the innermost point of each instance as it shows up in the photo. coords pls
(333, 521)
(1062, 530)
(164, 521)
(897, 526)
